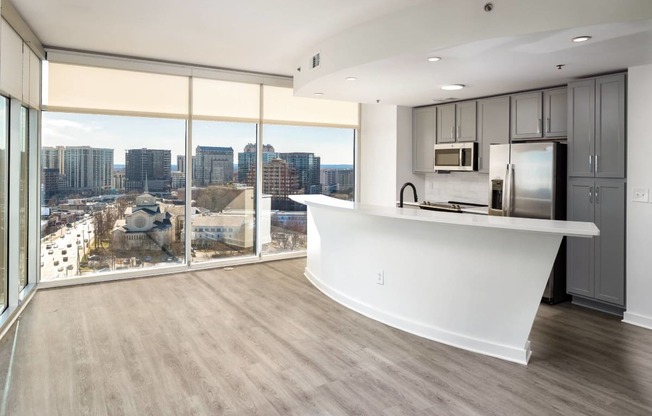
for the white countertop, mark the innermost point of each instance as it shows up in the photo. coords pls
(567, 228)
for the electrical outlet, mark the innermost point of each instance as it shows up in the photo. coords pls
(380, 277)
(641, 195)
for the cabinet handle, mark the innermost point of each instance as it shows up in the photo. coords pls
(548, 122)
(590, 194)
(458, 131)
(590, 163)
(539, 127)
(452, 132)
(596, 163)
(597, 194)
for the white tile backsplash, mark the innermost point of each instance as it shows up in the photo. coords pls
(457, 186)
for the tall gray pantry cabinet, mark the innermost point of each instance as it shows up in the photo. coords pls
(596, 189)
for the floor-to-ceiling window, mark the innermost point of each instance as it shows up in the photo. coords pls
(307, 160)
(143, 170)
(23, 203)
(112, 193)
(4, 136)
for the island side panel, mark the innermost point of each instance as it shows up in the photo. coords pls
(475, 288)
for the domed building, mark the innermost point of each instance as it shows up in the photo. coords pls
(145, 226)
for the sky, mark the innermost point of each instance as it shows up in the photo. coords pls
(333, 145)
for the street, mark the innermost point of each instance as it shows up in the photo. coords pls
(60, 250)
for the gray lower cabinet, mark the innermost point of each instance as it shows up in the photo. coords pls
(596, 267)
(423, 139)
(526, 115)
(596, 127)
(493, 127)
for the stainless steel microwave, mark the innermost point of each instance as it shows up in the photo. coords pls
(456, 156)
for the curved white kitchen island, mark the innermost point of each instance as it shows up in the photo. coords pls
(471, 281)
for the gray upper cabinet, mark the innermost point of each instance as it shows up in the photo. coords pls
(596, 267)
(596, 127)
(610, 126)
(446, 123)
(423, 139)
(581, 123)
(465, 116)
(526, 115)
(555, 113)
(493, 127)
(456, 122)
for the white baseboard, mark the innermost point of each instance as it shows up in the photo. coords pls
(638, 320)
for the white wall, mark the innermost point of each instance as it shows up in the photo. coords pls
(639, 215)
(386, 155)
(378, 137)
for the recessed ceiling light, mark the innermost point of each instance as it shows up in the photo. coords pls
(581, 38)
(434, 59)
(351, 78)
(452, 87)
(319, 94)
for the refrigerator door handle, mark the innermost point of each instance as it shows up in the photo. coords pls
(507, 192)
(590, 195)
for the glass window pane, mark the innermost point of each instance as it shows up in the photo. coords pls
(306, 160)
(4, 133)
(223, 192)
(113, 200)
(23, 202)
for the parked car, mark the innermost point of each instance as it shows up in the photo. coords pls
(147, 258)
(64, 251)
(56, 262)
(49, 246)
(65, 258)
(69, 245)
(50, 251)
(60, 269)
(70, 267)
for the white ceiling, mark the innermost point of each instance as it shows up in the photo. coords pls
(275, 36)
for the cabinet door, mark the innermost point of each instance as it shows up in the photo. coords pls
(581, 114)
(580, 251)
(446, 123)
(493, 127)
(555, 112)
(465, 115)
(610, 245)
(423, 139)
(526, 115)
(610, 126)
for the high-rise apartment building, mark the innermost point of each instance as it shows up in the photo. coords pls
(181, 163)
(247, 159)
(52, 158)
(345, 180)
(149, 167)
(307, 166)
(87, 170)
(279, 180)
(213, 165)
(328, 180)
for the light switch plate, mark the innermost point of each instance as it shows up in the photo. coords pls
(641, 195)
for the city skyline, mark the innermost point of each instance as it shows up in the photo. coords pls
(334, 145)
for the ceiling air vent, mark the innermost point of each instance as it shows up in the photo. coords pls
(442, 100)
(315, 61)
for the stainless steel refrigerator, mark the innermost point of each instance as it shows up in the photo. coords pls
(529, 180)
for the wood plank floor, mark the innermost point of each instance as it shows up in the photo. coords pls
(262, 340)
